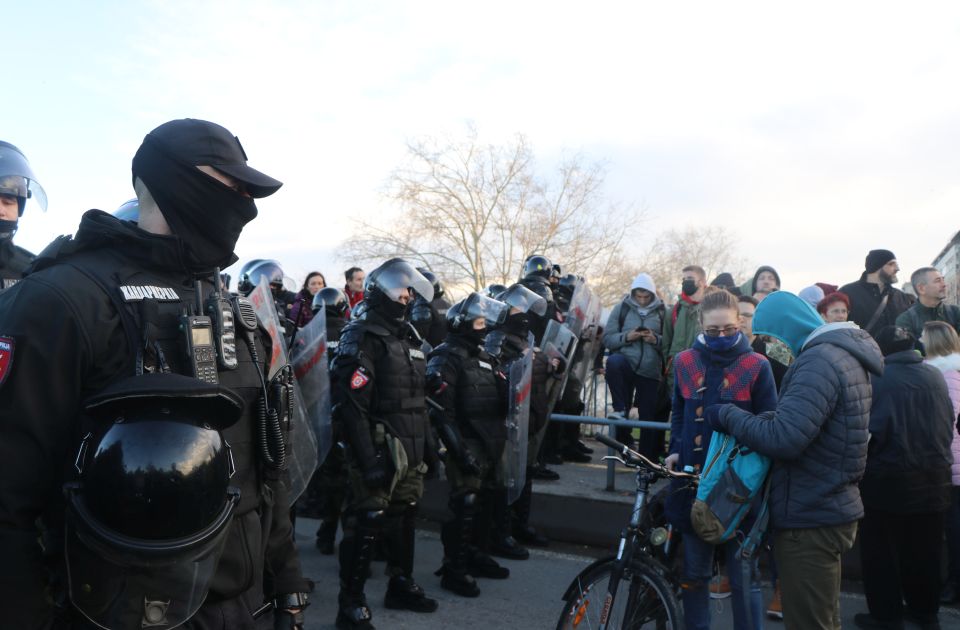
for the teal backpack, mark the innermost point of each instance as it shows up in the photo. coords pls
(730, 482)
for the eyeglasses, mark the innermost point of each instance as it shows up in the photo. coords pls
(727, 331)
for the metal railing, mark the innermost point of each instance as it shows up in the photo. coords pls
(592, 392)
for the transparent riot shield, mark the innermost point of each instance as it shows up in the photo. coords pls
(309, 359)
(559, 342)
(302, 446)
(576, 316)
(514, 462)
(586, 311)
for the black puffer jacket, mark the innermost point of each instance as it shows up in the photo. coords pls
(818, 434)
(911, 428)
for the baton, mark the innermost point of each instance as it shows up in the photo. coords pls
(260, 612)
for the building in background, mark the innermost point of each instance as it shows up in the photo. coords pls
(948, 263)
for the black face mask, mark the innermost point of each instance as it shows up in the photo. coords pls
(7, 229)
(205, 214)
(474, 336)
(517, 324)
(689, 287)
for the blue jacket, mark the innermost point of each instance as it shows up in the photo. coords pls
(702, 378)
(817, 437)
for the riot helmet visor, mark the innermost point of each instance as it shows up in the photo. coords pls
(522, 298)
(397, 275)
(17, 178)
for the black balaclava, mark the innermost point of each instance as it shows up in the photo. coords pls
(205, 214)
(517, 324)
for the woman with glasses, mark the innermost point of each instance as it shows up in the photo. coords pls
(721, 367)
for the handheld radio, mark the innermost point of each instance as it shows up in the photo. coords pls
(198, 333)
(220, 311)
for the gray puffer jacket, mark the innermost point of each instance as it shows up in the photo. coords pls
(817, 437)
(645, 358)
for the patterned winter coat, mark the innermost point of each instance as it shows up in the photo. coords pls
(702, 378)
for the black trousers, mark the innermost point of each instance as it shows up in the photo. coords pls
(900, 554)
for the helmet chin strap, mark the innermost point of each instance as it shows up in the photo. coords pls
(7, 229)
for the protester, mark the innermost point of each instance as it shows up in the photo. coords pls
(835, 307)
(817, 439)
(725, 281)
(748, 307)
(635, 366)
(720, 366)
(874, 301)
(929, 307)
(811, 295)
(906, 487)
(302, 310)
(354, 287)
(942, 345)
(682, 325)
(765, 279)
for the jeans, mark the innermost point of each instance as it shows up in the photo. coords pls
(625, 385)
(697, 571)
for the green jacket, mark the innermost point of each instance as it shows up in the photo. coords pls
(917, 315)
(679, 336)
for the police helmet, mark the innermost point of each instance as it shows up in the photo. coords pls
(385, 285)
(128, 211)
(461, 315)
(537, 265)
(522, 298)
(148, 516)
(17, 178)
(565, 289)
(493, 290)
(332, 300)
(434, 280)
(253, 273)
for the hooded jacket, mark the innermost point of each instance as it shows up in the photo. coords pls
(949, 367)
(817, 436)
(646, 359)
(750, 286)
(704, 377)
(911, 427)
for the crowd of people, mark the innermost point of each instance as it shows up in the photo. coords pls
(141, 416)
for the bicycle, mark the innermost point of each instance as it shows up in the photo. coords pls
(632, 590)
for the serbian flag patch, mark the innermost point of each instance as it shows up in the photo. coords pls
(358, 380)
(6, 357)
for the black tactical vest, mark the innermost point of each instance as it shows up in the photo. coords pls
(150, 304)
(480, 403)
(400, 396)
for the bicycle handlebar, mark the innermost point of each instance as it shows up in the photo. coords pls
(637, 459)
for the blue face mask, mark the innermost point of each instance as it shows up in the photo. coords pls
(721, 344)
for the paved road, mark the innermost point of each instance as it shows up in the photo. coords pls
(529, 599)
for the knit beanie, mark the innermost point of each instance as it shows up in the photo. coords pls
(878, 258)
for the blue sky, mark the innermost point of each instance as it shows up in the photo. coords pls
(816, 131)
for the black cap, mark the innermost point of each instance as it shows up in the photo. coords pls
(199, 143)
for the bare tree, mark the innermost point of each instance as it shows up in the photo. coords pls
(472, 213)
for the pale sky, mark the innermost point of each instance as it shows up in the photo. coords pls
(815, 130)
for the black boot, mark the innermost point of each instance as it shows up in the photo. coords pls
(402, 591)
(502, 542)
(326, 536)
(479, 562)
(522, 529)
(356, 550)
(457, 536)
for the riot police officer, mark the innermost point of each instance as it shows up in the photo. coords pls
(429, 316)
(253, 273)
(327, 490)
(378, 379)
(118, 300)
(536, 276)
(17, 185)
(472, 397)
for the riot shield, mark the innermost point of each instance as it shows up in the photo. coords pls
(514, 462)
(583, 319)
(558, 342)
(302, 446)
(310, 367)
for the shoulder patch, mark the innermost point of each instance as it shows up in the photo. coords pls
(359, 379)
(7, 345)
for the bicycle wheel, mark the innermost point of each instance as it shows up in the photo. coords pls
(645, 599)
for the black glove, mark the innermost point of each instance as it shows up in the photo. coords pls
(283, 620)
(375, 475)
(468, 463)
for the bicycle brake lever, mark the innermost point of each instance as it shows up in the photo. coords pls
(613, 457)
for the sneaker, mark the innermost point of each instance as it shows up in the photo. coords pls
(720, 587)
(775, 609)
